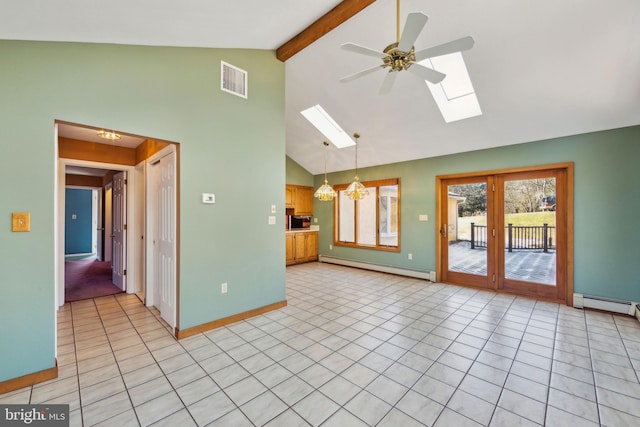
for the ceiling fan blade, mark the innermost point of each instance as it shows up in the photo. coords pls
(425, 73)
(412, 28)
(459, 45)
(387, 83)
(360, 74)
(352, 47)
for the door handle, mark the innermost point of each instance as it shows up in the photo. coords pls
(443, 230)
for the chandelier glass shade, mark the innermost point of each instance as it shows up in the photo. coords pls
(325, 193)
(355, 190)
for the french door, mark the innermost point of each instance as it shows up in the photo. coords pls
(508, 231)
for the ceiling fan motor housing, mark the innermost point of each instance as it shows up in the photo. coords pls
(397, 60)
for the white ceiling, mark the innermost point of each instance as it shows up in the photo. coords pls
(541, 69)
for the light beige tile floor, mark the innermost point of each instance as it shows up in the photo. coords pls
(352, 348)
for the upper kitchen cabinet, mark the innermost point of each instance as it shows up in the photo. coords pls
(300, 199)
(289, 197)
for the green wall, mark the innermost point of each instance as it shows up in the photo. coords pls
(296, 174)
(227, 144)
(606, 204)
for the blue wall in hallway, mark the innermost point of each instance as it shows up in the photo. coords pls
(77, 222)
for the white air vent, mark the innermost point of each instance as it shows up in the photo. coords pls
(233, 79)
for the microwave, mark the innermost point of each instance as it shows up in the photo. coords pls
(297, 222)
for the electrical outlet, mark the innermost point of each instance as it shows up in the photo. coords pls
(330, 247)
(410, 257)
(223, 288)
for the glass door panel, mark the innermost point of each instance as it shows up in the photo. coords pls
(465, 238)
(531, 233)
(530, 230)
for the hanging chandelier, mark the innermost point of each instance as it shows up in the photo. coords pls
(325, 193)
(355, 190)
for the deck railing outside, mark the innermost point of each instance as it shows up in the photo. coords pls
(517, 237)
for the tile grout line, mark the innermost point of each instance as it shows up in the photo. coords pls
(156, 362)
(485, 344)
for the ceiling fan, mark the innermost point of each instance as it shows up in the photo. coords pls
(401, 55)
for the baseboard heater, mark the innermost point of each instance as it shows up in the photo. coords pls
(607, 304)
(419, 274)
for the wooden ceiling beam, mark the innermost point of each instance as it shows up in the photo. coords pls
(322, 26)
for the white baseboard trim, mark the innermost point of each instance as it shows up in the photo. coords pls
(419, 274)
(607, 304)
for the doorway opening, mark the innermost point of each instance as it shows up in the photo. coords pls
(87, 266)
(509, 231)
(126, 214)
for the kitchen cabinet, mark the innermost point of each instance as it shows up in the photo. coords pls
(300, 199)
(301, 246)
(290, 248)
(289, 197)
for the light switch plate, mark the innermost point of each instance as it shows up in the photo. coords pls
(423, 217)
(20, 221)
(272, 220)
(208, 198)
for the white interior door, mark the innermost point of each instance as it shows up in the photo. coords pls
(118, 263)
(108, 223)
(164, 184)
(95, 240)
(99, 229)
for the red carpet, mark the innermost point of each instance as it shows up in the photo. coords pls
(84, 279)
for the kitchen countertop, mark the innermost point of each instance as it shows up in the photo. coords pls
(300, 230)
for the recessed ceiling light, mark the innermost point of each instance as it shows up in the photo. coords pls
(106, 134)
(454, 95)
(329, 128)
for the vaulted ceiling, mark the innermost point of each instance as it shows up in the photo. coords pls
(541, 69)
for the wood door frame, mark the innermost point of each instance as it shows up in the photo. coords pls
(59, 214)
(569, 261)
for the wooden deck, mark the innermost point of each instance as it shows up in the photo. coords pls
(527, 265)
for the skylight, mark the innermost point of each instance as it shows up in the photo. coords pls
(329, 128)
(455, 95)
